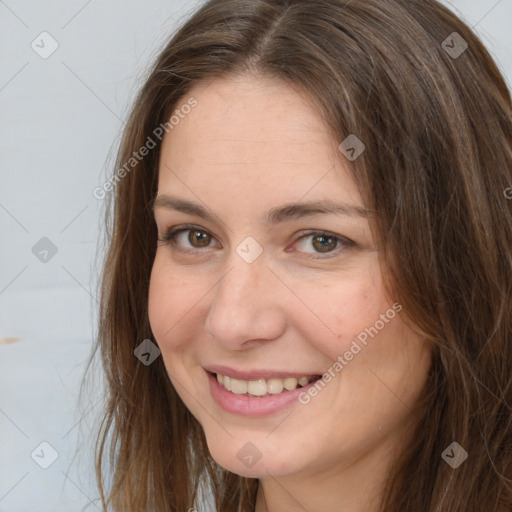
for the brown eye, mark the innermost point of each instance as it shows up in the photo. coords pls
(323, 243)
(187, 237)
(199, 238)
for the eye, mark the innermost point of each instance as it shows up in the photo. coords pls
(188, 238)
(195, 237)
(323, 242)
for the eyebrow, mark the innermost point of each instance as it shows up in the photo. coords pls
(273, 216)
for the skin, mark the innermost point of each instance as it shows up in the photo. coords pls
(251, 144)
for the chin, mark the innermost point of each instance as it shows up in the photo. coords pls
(244, 458)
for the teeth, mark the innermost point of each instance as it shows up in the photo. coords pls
(262, 387)
(239, 386)
(257, 387)
(290, 383)
(303, 381)
(275, 386)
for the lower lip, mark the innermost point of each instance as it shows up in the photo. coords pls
(253, 406)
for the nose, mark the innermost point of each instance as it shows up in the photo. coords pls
(247, 305)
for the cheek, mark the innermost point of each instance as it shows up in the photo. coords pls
(170, 298)
(332, 315)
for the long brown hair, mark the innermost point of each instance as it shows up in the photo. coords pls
(435, 117)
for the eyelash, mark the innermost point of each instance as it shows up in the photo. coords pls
(172, 233)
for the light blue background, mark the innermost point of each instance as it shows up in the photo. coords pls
(61, 120)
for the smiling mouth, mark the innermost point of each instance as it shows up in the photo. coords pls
(263, 387)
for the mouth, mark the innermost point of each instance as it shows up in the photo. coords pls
(262, 388)
(258, 397)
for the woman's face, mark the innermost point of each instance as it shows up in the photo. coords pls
(276, 279)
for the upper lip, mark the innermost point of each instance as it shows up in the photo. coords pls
(255, 374)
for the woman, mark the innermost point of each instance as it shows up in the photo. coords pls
(306, 300)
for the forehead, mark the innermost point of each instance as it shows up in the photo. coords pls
(255, 135)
